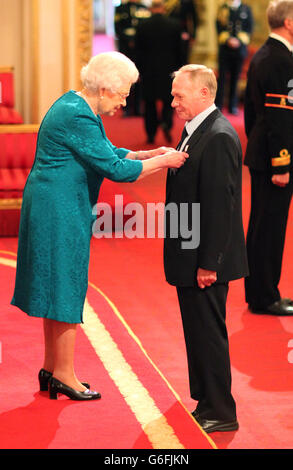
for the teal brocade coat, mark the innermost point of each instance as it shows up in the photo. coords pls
(73, 156)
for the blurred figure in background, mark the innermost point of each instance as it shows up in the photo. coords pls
(234, 26)
(185, 12)
(128, 16)
(158, 55)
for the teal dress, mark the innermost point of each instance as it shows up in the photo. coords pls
(73, 156)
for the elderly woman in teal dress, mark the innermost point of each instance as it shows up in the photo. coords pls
(73, 156)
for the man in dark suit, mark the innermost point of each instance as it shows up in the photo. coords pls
(234, 27)
(212, 178)
(269, 127)
(158, 54)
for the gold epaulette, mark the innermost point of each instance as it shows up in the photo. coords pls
(283, 160)
(171, 5)
(223, 37)
(223, 15)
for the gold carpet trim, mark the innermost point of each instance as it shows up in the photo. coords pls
(8, 262)
(153, 422)
(136, 339)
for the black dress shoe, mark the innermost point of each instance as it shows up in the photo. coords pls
(213, 425)
(44, 376)
(282, 308)
(55, 387)
(195, 414)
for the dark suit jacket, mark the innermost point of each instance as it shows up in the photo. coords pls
(212, 177)
(158, 53)
(269, 110)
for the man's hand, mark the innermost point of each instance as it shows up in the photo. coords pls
(281, 180)
(205, 278)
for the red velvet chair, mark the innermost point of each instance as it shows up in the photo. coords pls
(8, 115)
(17, 151)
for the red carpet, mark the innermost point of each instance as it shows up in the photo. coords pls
(130, 274)
(111, 359)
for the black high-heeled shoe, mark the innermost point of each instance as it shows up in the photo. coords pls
(55, 387)
(44, 377)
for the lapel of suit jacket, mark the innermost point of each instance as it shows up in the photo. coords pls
(192, 141)
(204, 127)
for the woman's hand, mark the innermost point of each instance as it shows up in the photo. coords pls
(146, 154)
(159, 151)
(175, 159)
(171, 159)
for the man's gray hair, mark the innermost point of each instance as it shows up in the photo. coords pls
(206, 76)
(278, 11)
(109, 70)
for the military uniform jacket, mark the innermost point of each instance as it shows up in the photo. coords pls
(211, 177)
(127, 17)
(237, 23)
(185, 12)
(269, 109)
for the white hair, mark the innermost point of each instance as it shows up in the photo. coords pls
(108, 70)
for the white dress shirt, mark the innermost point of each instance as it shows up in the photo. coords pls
(192, 125)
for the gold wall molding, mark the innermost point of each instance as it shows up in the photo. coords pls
(35, 64)
(261, 29)
(10, 203)
(83, 35)
(19, 128)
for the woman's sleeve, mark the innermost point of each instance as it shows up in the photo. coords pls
(120, 152)
(88, 144)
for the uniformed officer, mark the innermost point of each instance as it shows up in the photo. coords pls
(158, 56)
(269, 156)
(185, 12)
(127, 17)
(234, 26)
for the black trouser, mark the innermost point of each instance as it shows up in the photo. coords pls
(230, 66)
(204, 323)
(266, 238)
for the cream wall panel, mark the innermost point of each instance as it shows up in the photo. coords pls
(11, 38)
(50, 54)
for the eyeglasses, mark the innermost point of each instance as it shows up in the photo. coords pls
(123, 96)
